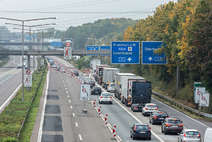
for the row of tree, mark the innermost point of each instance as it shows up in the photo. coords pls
(186, 29)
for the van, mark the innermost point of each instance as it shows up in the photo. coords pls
(208, 135)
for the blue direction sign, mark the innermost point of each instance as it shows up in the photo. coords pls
(92, 48)
(56, 44)
(124, 52)
(104, 47)
(148, 53)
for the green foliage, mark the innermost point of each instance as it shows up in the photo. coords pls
(185, 28)
(13, 115)
(83, 62)
(99, 32)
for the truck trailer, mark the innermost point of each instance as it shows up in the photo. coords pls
(109, 76)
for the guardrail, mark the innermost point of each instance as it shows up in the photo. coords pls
(182, 106)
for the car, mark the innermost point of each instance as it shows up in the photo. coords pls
(189, 135)
(92, 83)
(136, 107)
(106, 97)
(140, 131)
(76, 73)
(149, 108)
(172, 125)
(111, 88)
(96, 91)
(157, 117)
(58, 68)
(208, 134)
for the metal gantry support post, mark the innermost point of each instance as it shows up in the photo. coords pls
(22, 61)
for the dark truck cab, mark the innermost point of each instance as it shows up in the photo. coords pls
(139, 92)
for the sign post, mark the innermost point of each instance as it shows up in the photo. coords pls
(27, 78)
(68, 49)
(125, 52)
(84, 95)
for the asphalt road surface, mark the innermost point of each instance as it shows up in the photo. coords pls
(64, 120)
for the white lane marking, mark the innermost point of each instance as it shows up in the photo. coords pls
(69, 101)
(182, 113)
(71, 107)
(73, 114)
(43, 110)
(76, 124)
(80, 137)
(9, 98)
(66, 88)
(161, 140)
(68, 96)
(66, 92)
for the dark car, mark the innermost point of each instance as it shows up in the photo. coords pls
(136, 107)
(76, 73)
(92, 83)
(142, 131)
(96, 91)
(172, 125)
(157, 117)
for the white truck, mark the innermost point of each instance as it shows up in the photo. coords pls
(118, 83)
(109, 76)
(94, 63)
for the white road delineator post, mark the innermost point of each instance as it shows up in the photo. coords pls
(114, 130)
(106, 119)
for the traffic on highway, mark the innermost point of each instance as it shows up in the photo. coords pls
(131, 108)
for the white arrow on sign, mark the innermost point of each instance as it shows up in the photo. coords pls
(129, 59)
(150, 58)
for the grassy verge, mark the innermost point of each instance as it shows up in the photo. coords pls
(14, 114)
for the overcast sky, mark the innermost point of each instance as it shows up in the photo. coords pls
(76, 12)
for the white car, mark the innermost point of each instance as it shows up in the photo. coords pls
(105, 97)
(111, 88)
(207, 136)
(189, 135)
(149, 108)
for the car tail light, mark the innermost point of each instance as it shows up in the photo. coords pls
(184, 135)
(198, 135)
(156, 108)
(101, 97)
(149, 128)
(168, 125)
(180, 125)
(155, 117)
(111, 97)
(134, 129)
(146, 108)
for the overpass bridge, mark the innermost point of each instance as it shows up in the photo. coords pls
(54, 53)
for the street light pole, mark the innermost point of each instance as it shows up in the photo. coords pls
(22, 51)
(22, 24)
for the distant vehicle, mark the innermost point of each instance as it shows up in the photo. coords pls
(106, 97)
(208, 134)
(62, 70)
(172, 125)
(111, 87)
(99, 72)
(108, 76)
(54, 66)
(76, 73)
(140, 131)
(136, 107)
(190, 135)
(19, 67)
(157, 117)
(92, 83)
(58, 68)
(96, 91)
(149, 108)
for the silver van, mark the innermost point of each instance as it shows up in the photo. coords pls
(208, 135)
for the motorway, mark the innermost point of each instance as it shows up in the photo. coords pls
(10, 79)
(65, 122)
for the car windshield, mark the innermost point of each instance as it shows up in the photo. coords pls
(174, 121)
(141, 127)
(151, 106)
(112, 85)
(106, 95)
(192, 133)
(161, 114)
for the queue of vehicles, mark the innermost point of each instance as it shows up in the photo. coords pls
(135, 91)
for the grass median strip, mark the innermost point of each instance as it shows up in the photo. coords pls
(15, 113)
